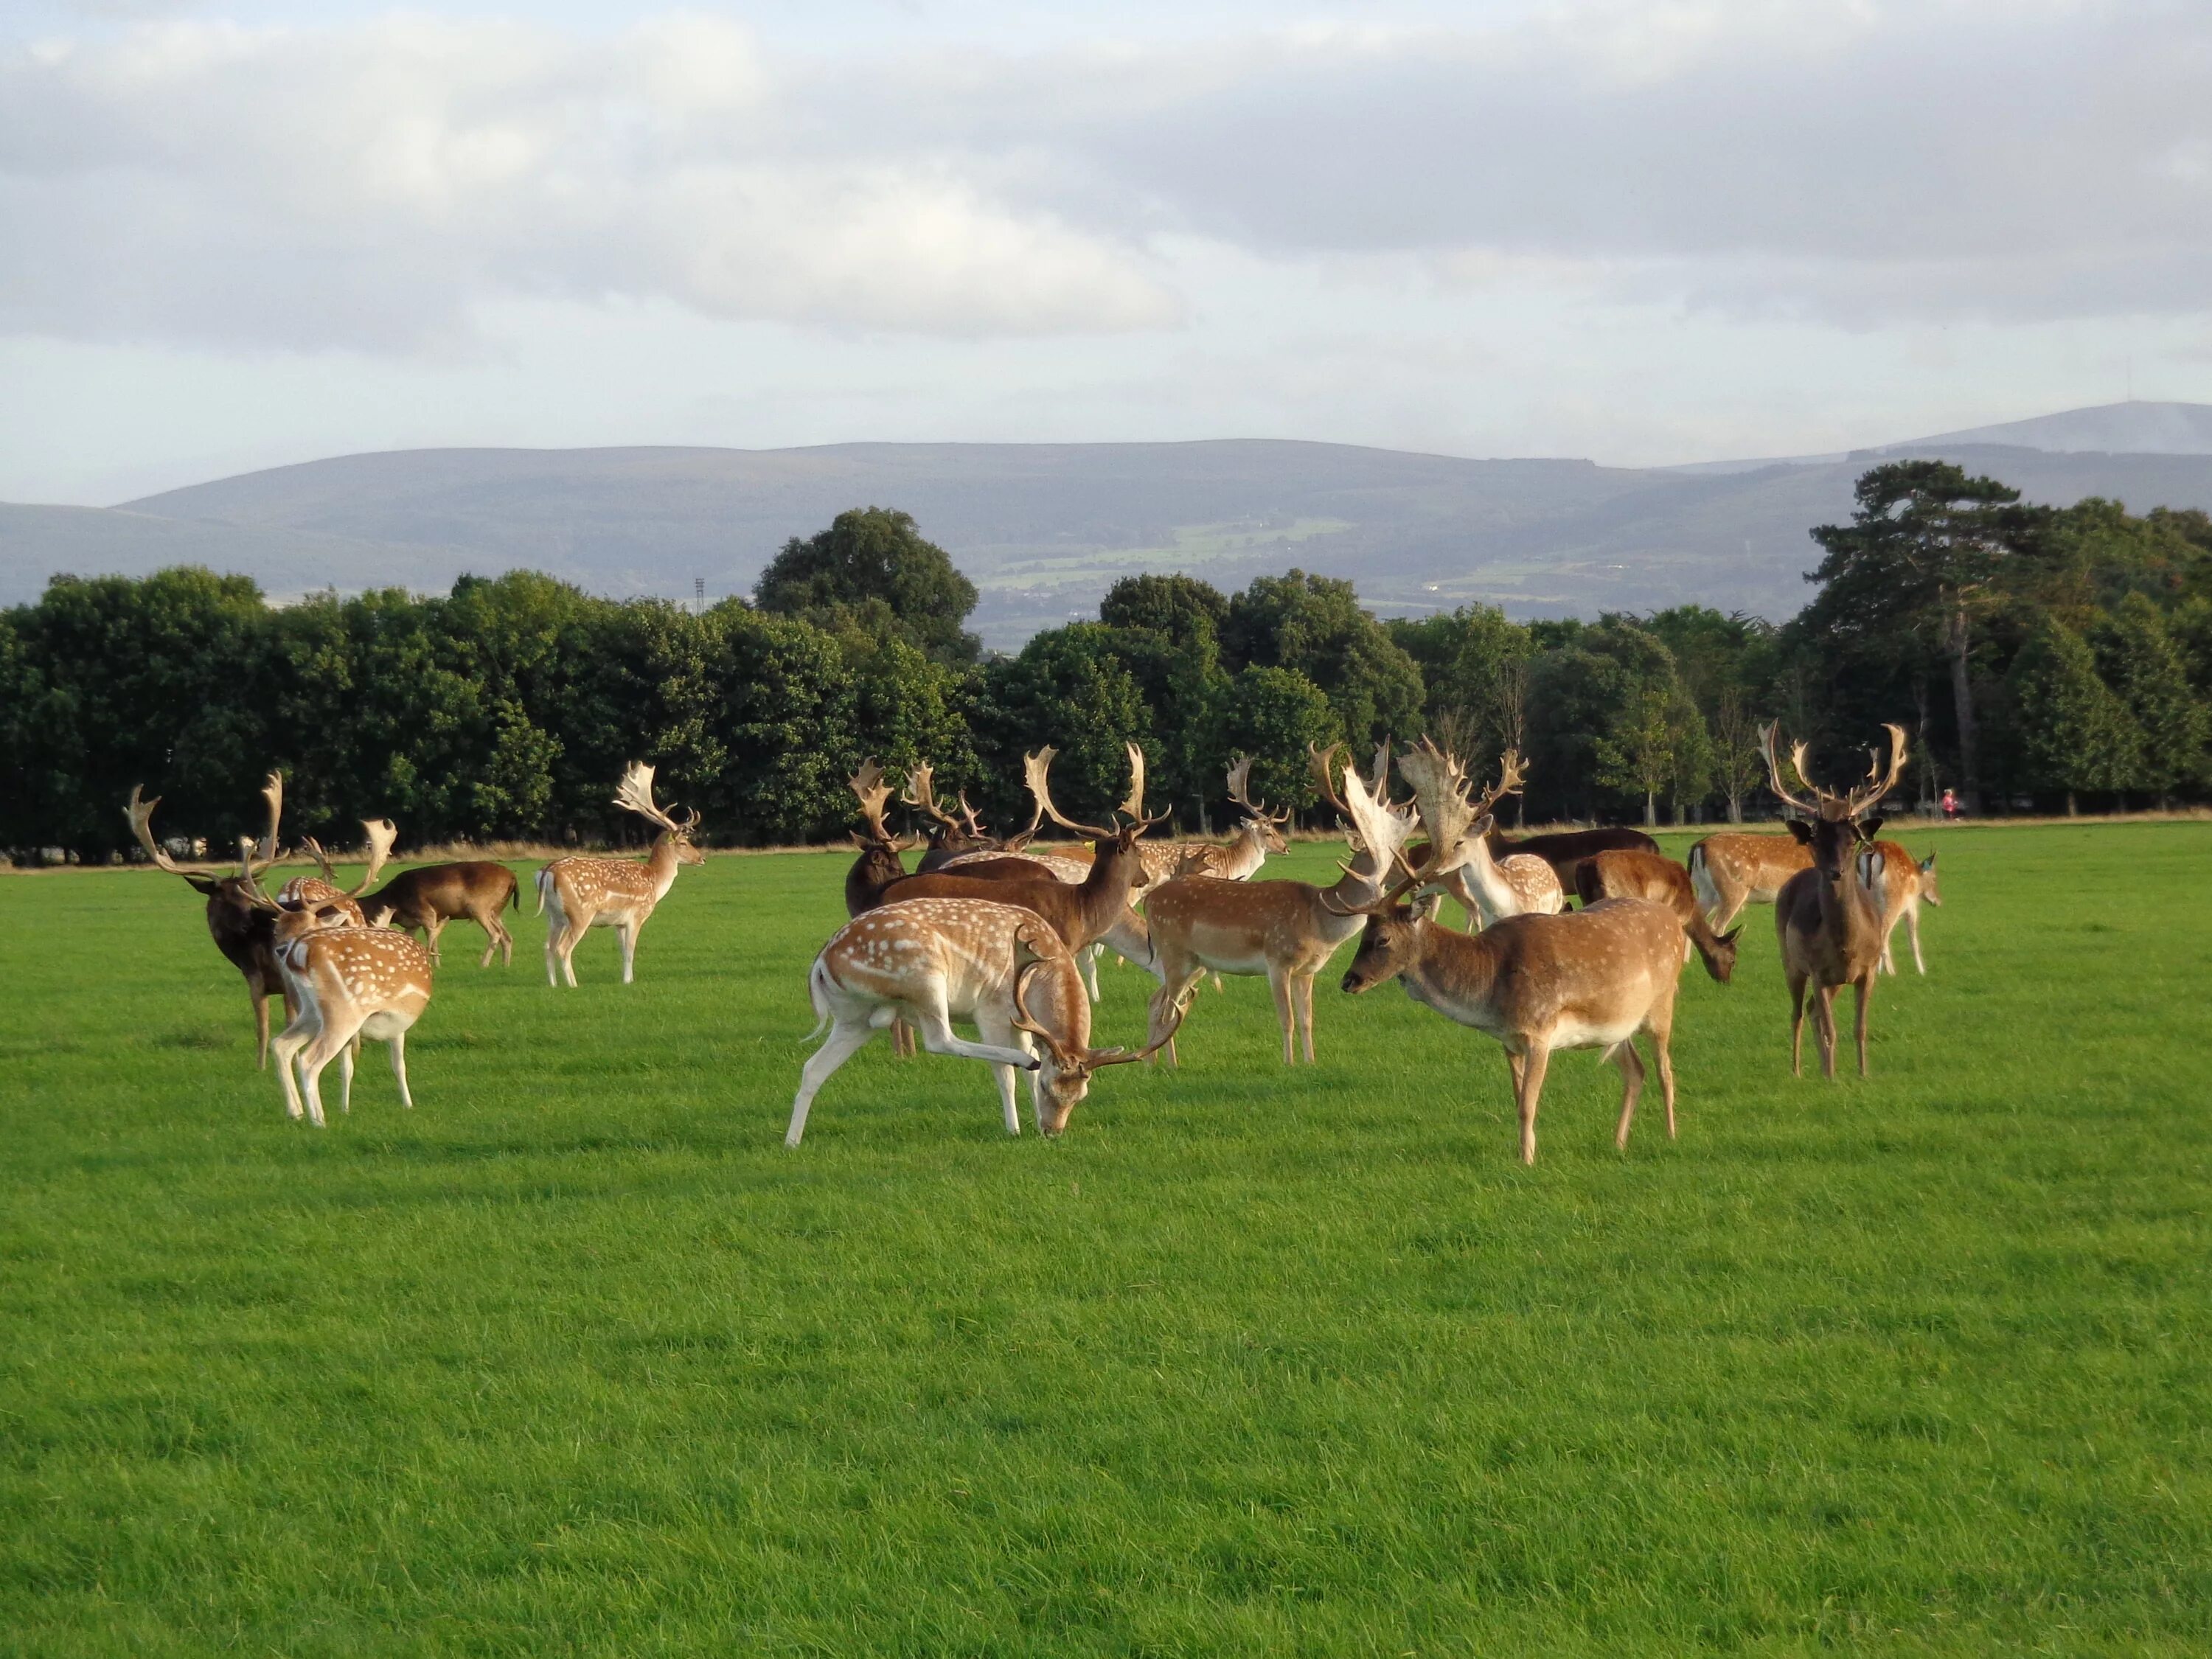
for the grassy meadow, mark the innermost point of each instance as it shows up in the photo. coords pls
(576, 1359)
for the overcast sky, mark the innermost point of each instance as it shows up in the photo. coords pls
(237, 233)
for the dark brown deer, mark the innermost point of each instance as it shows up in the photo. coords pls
(1080, 914)
(238, 917)
(1623, 873)
(1566, 849)
(436, 894)
(1829, 918)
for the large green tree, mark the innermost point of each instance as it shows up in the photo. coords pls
(1272, 715)
(872, 572)
(1315, 625)
(2148, 668)
(2079, 736)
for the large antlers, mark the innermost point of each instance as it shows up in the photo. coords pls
(381, 834)
(1440, 787)
(140, 814)
(1036, 769)
(634, 795)
(873, 795)
(1825, 802)
(1240, 791)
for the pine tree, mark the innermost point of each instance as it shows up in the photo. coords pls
(2078, 734)
(2153, 678)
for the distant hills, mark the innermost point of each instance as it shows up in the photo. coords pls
(1044, 528)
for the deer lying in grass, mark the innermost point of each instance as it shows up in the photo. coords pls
(934, 960)
(1586, 979)
(1829, 917)
(583, 892)
(1286, 930)
(436, 894)
(1905, 885)
(238, 923)
(1650, 876)
(323, 891)
(1732, 870)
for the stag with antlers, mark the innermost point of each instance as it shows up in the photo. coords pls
(1538, 982)
(1491, 888)
(1286, 930)
(1829, 918)
(238, 924)
(323, 891)
(934, 960)
(577, 893)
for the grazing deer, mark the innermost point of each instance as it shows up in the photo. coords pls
(1080, 915)
(239, 925)
(436, 894)
(1286, 930)
(347, 982)
(1584, 978)
(934, 960)
(1491, 888)
(617, 893)
(1566, 849)
(1732, 870)
(1905, 885)
(1620, 874)
(1829, 917)
(323, 892)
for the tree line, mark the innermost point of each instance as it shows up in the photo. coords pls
(2041, 657)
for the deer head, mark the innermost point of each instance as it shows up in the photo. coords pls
(239, 890)
(634, 795)
(1064, 1077)
(1835, 824)
(1269, 824)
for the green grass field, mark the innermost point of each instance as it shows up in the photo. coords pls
(575, 1357)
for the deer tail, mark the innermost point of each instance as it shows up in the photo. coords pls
(817, 991)
(545, 886)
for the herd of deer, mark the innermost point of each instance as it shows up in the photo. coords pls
(988, 931)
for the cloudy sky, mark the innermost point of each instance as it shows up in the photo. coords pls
(240, 233)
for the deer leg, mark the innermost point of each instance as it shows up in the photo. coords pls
(1534, 1064)
(1864, 990)
(938, 1036)
(437, 926)
(1087, 959)
(1002, 1033)
(490, 925)
(398, 1047)
(1912, 927)
(346, 1058)
(626, 936)
(843, 1042)
(1797, 1024)
(1824, 1026)
(1662, 1054)
(259, 992)
(1302, 993)
(295, 1036)
(1730, 905)
(1631, 1063)
(1279, 982)
(1161, 1013)
(554, 928)
(330, 1042)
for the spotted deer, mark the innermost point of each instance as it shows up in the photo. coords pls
(932, 960)
(236, 921)
(324, 891)
(1624, 874)
(577, 893)
(1538, 982)
(1286, 930)
(1906, 883)
(1732, 870)
(1829, 917)
(347, 982)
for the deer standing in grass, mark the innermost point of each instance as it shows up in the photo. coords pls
(347, 982)
(1595, 978)
(1618, 874)
(1906, 883)
(934, 960)
(1286, 930)
(1829, 918)
(436, 894)
(1732, 870)
(578, 893)
(239, 924)
(323, 891)
(1491, 888)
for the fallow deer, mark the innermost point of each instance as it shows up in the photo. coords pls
(879, 865)
(1732, 870)
(436, 894)
(237, 921)
(935, 960)
(1492, 889)
(323, 891)
(948, 836)
(347, 982)
(1566, 849)
(1584, 978)
(585, 892)
(1829, 918)
(1080, 915)
(1622, 874)
(1906, 885)
(1259, 832)
(1286, 930)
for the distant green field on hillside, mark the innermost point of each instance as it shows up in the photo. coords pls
(576, 1359)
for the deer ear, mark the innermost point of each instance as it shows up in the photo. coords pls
(1800, 828)
(1928, 863)
(1871, 827)
(206, 884)
(1729, 938)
